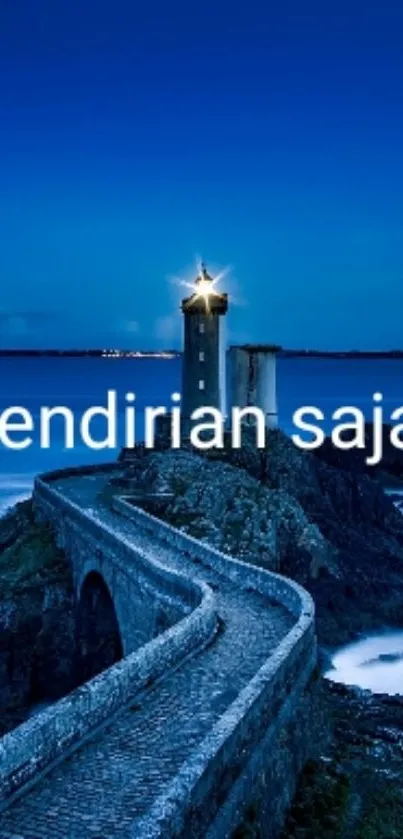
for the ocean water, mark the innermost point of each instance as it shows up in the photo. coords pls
(82, 383)
(77, 383)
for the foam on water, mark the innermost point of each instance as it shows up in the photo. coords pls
(375, 663)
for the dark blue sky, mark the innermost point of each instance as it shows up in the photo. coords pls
(265, 135)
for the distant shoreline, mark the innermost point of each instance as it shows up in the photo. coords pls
(51, 353)
(169, 354)
(364, 354)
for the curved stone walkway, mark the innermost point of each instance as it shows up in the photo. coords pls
(112, 779)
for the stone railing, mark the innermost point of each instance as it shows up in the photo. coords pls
(246, 576)
(207, 797)
(54, 507)
(41, 741)
(193, 803)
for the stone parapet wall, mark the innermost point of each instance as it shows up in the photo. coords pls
(48, 737)
(256, 748)
(219, 767)
(281, 589)
(52, 506)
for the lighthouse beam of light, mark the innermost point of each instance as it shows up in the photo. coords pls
(200, 287)
(206, 288)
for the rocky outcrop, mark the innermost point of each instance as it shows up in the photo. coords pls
(389, 470)
(355, 788)
(333, 530)
(232, 511)
(361, 523)
(362, 586)
(36, 617)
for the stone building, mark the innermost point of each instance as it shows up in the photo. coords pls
(251, 371)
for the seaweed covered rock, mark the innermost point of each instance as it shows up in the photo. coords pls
(36, 617)
(355, 788)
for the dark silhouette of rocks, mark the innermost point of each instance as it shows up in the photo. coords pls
(36, 618)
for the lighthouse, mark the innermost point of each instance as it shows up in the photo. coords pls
(202, 384)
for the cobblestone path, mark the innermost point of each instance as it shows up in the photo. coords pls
(112, 779)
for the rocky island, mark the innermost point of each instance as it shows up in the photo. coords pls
(326, 524)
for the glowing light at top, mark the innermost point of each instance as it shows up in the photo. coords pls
(203, 287)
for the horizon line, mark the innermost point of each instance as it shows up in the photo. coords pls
(164, 353)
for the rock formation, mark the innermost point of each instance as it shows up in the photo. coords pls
(36, 617)
(333, 530)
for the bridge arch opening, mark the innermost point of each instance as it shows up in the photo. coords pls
(98, 641)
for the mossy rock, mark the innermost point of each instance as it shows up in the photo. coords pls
(32, 557)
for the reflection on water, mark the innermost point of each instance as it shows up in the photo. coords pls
(375, 664)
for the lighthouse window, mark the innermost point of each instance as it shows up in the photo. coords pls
(201, 356)
(201, 384)
(201, 328)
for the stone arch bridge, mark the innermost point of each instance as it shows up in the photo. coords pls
(202, 715)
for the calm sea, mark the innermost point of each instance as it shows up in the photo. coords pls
(82, 383)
